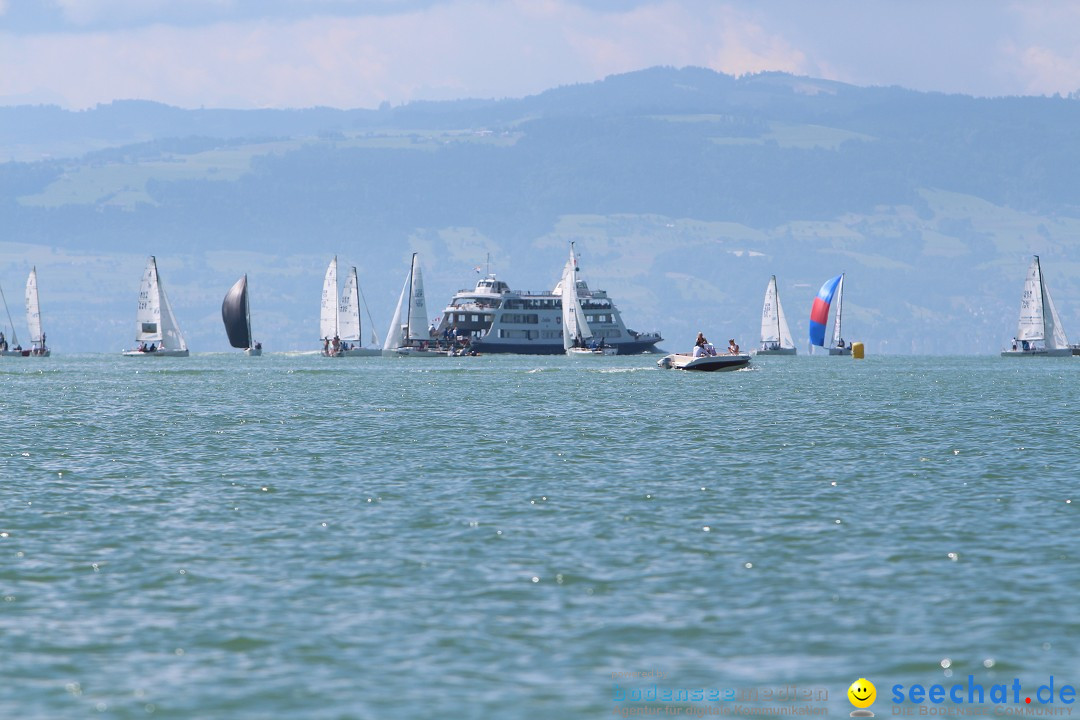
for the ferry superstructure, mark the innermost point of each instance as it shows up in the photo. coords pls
(497, 319)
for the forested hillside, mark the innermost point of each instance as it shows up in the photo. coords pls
(685, 189)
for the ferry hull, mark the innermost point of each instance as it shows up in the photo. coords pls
(536, 348)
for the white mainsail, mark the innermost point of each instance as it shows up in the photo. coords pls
(1039, 320)
(418, 319)
(410, 320)
(774, 327)
(328, 311)
(33, 310)
(154, 319)
(148, 315)
(349, 310)
(836, 335)
(575, 327)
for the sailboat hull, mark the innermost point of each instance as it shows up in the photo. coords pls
(253, 352)
(777, 351)
(156, 353)
(355, 352)
(840, 351)
(590, 353)
(406, 351)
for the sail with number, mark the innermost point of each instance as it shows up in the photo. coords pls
(236, 315)
(155, 322)
(1039, 320)
(349, 309)
(409, 327)
(774, 326)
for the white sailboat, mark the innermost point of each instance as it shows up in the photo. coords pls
(154, 320)
(1039, 332)
(33, 317)
(839, 347)
(339, 319)
(9, 345)
(775, 335)
(236, 314)
(576, 331)
(409, 335)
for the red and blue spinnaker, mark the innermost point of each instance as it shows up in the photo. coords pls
(819, 311)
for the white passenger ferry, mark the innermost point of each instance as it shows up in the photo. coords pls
(496, 319)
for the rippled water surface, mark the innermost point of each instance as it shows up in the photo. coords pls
(494, 537)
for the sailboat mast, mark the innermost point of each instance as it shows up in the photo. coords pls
(11, 324)
(337, 318)
(1042, 296)
(408, 314)
(247, 311)
(776, 311)
(839, 310)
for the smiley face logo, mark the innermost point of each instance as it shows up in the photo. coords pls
(862, 693)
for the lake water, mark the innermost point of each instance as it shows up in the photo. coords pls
(526, 537)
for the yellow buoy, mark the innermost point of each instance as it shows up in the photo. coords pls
(857, 350)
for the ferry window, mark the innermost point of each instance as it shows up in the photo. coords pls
(475, 318)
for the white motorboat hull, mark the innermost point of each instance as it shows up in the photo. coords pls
(1039, 352)
(156, 353)
(705, 363)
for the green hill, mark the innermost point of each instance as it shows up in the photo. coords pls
(684, 188)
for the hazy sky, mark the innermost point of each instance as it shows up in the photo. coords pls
(359, 53)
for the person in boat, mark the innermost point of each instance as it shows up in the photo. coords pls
(3, 342)
(1014, 345)
(732, 347)
(699, 346)
(840, 343)
(152, 348)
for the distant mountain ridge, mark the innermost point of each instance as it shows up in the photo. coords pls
(685, 189)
